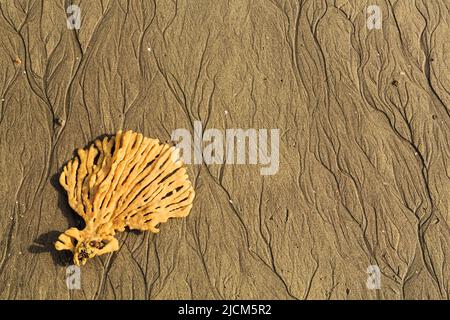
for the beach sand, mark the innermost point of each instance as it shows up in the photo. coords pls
(363, 117)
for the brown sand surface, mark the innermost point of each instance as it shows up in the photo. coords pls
(364, 147)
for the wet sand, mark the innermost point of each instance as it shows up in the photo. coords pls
(363, 177)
